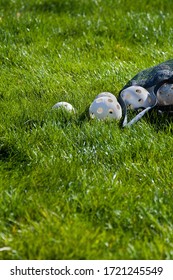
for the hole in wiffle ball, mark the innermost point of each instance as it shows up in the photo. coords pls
(110, 100)
(111, 111)
(118, 107)
(92, 115)
(100, 110)
(130, 106)
(99, 100)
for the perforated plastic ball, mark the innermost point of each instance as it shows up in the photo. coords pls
(108, 94)
(137, 97)
(105, 108)
(64, 105)
(165, 94)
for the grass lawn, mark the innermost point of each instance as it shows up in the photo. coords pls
(70, 187)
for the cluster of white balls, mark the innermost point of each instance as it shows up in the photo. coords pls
(104, 106)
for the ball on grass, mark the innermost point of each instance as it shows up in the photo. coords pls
(105, 107)
(64, 105)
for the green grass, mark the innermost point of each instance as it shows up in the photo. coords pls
(72, 188)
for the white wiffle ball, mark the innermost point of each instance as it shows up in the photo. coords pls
(136, 97)
(165, 94)
(64, 105)
(105, 107)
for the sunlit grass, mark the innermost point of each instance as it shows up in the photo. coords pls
(73, 188)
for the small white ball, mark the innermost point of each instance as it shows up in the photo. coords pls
(64, 105)
(105, 107)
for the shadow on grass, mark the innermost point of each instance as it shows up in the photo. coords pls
(72, 7)
(9, 153)
(160, 121)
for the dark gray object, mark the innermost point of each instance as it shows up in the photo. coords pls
(152, 79)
